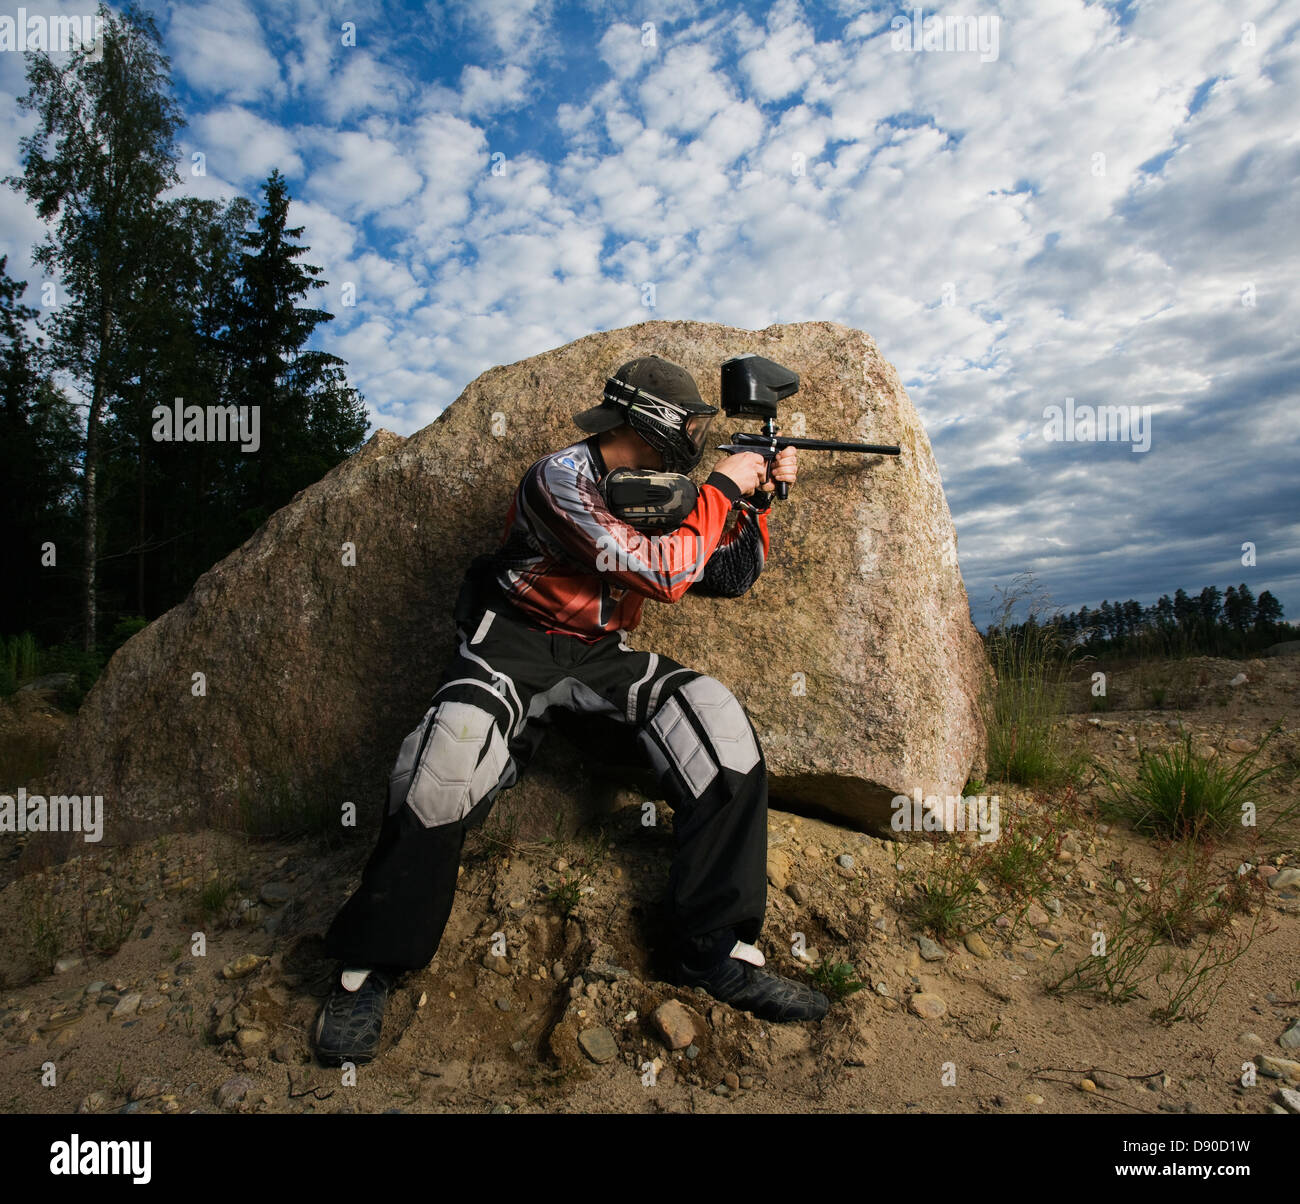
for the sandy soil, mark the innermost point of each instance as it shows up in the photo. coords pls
(159, 1026)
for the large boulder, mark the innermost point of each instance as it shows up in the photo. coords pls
(854, 653)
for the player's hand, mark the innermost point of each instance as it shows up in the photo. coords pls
(784, 468)
(747, 469)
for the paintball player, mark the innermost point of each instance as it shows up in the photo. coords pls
(542, 623)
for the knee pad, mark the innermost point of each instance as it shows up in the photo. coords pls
(453, 760)
(700, 727)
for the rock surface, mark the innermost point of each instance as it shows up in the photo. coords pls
(854, 652)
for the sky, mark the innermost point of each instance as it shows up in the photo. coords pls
(1093, 201)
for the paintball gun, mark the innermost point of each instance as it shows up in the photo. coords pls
(751, 386)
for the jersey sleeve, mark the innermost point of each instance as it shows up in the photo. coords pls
(569, 514)
(738, 559)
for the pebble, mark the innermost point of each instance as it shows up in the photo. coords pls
(931, 951)
(732, 1079)
(1035, 915)
(503, 1004)
(675, 1024)
(1240, 680)
(147, 1089)
(844, 861)
(1087, 1085)
(275, 894)
(798, 892)
(1291, 1038)
(1107, 1082)
(1278, 1068)
(927, 1006)
(285, 1052)
(1035, 1100)
(1284, 879)
(598, 1044)
(1240, 746)
(248, 1039)
(977, 945)
(1055, 906)
(1289, 1099)
(1249, 1039)
(232, 1091)
(70, 962)
(778, 869)
(96, 1101)
(692, 1051)
(241, 967)
(128, 1005)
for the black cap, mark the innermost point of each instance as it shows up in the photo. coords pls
(659, 377)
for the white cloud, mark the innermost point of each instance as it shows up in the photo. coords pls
(221, 49)
(365, 171)
(243, 145)
(491, 91)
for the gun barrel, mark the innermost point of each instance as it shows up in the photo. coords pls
(749, 439)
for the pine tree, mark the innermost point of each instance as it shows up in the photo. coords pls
(39, 442)
(102, 154)
(310, 417)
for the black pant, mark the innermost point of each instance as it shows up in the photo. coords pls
(486, 720)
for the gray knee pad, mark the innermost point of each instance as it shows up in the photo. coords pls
(453, 760)
(699, 728)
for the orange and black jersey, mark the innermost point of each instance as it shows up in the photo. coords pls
(572, 567)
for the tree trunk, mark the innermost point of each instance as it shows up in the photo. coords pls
(89, 516)
(140, 528)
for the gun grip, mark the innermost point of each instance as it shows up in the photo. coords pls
(783, 489)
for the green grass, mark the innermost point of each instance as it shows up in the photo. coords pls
(835, 980)
(45, 926)
(565, 894)
(1182, 795)
(214, 895)
(1026, 743)
(279, 805)
(1179, 941)
(948, 900)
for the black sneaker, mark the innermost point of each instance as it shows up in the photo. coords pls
(765, 995)
(350, 1022)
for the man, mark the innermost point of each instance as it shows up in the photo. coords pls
(542, 623)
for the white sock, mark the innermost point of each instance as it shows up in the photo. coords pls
(352, 979)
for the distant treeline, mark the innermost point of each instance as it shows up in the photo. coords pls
(113, 508)
(1215, 622)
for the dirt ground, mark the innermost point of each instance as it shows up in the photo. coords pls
(208, 1000)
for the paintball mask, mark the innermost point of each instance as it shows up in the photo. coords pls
(661, 402)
